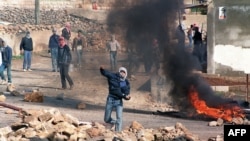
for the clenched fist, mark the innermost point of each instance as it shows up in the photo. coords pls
(127, 97)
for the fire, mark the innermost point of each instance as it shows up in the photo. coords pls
(226, 112)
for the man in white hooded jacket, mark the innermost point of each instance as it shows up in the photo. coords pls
(119, 88)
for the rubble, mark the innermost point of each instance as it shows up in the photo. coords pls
(81, 105)
(33, 97)
(51, 124)
(2, 98)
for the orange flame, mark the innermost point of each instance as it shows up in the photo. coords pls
(224, 112)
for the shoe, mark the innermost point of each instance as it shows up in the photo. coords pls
(53, 70)
(29, 69)
(3, 82)
(63, 88)
(71, 87)
(110, 126)
(24, 70)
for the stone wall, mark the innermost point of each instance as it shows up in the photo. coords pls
(45, 4)
(18, 21)
(18, 17)
(61, 4)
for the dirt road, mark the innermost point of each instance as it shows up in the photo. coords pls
(91, 88)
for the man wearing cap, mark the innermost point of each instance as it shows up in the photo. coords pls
(119, 89)
(53, 49)
(26, 48)
(64, 60)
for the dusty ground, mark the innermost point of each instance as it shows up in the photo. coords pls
(91, 88)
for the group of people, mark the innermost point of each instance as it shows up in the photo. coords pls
(119, 86)
(61, 57)
(26, 48)
(197, 44)
(59, 49)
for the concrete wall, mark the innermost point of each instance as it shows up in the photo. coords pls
(160, 89)
(40, 40)
(229, 37)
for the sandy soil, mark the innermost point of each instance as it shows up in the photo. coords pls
(91, 88)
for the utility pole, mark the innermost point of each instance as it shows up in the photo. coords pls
(37, 11)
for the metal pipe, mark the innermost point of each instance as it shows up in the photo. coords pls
(10, 106)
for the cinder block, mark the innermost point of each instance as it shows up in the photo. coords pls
(220, 88)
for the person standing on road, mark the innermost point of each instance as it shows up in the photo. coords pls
(66, 33)
(2, 67)
(26, 48)
(79, 43)
(156, 55)
(119, 89)
(53, 49)
(6, 53)
(3, 81)
(113, 46)
(64, 60)
(198, 48)
(190, 36)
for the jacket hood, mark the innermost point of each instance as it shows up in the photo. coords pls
(125, 70)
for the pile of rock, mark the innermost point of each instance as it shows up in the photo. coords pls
(53, 125)
(17, 20)
(235, 121)
(18, 16)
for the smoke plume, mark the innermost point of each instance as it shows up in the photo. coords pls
(143, 20)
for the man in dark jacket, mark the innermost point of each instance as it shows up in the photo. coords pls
(198, 48)
(26, 48)
(53, 49)
(119, 88)
(64, 60)
(6, 60)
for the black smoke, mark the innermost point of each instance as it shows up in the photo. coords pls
(143, 20)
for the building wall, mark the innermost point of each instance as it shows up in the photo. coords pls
(229, 37)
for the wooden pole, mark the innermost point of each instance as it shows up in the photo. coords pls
(37, 12)
(247, 88)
